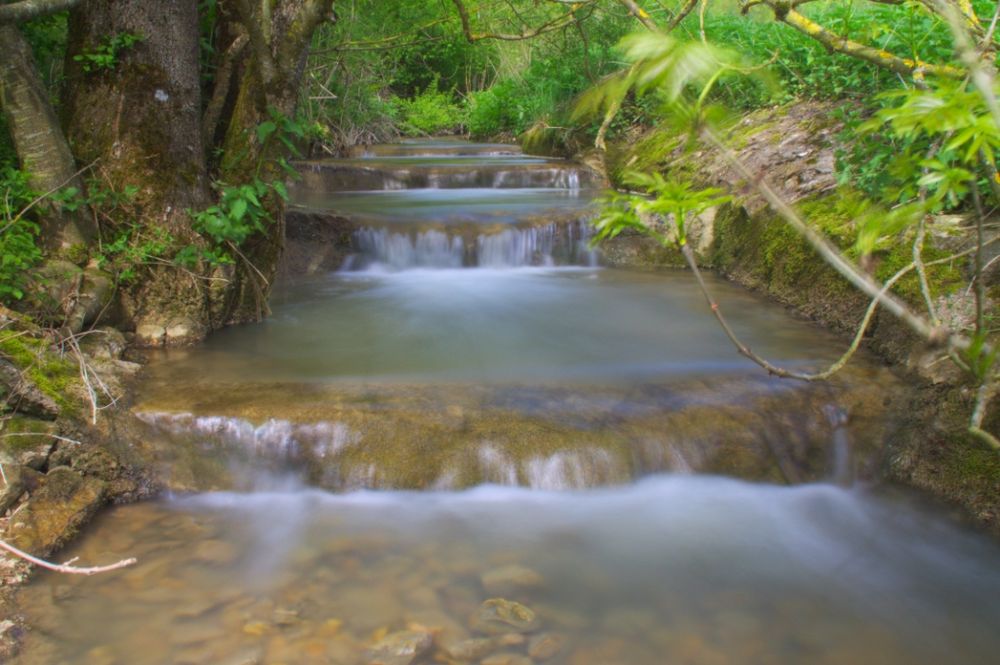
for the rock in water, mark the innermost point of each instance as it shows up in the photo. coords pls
(497, 616)
(506, 659)
(511, 579)
(471, 649)
(546, 645)
(400, 648)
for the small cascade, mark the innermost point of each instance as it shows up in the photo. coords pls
(553, 244)
(359, 175)
(277, 440)
(843, 474)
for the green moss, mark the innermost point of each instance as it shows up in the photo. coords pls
(970, 459)
(54, 375)
(22, 426)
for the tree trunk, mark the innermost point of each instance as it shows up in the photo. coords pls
(38, 139)
(279, 34)
(139, 117)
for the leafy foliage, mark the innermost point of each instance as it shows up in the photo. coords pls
(19, 251)
(430, 112)
(106, 54)
(668, 201)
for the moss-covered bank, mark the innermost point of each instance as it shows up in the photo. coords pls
(61, 457)
(793, 147)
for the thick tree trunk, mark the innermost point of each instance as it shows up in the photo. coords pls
(140, 119)
(279, 35)
(38, 139)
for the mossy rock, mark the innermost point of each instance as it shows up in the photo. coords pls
(26, 348)
(63, 502)
(26, 441)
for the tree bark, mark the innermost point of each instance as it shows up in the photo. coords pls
(38, 139)
(279, 34)
(140, 119)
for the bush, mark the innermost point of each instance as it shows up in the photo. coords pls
(431, 112)
(19, 250)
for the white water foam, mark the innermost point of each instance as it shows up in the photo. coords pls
(380, 249)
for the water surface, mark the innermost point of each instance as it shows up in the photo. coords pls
(697, 570)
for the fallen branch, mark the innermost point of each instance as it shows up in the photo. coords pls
(65, 568)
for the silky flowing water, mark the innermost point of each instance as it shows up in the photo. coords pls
(473, 409)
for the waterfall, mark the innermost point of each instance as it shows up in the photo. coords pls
(549, 245)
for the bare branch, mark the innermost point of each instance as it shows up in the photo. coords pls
(65, 568)
(18, 12)
(640, 14)
(258, 41)
(681, 14)
(554, 24)
(745, 350)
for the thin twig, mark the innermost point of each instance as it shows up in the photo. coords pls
(918, 263)
(51, 436)
(64, 568)
(978, 275)
(42, 197)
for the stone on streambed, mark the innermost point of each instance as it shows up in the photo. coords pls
(546, 645)
(498, 616)
(400, 648)
(470, 649)
(511, 579)
(507, 659)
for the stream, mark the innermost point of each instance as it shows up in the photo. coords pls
(474, 444)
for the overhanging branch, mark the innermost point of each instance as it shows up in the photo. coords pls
(18, 12)
(554, 24)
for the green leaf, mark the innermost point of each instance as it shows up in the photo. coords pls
(239, 209)
(265, 129)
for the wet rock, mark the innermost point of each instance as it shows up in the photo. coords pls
(27, 441)
(511, 579)
(497, 616)
(400, 648)
(285, 617)
(177, 332)
(104, 344)
(62, 503)
(546, 645)
(511, 640)
(20, 479)
(471, 649)
(195, 632)
(506, 659)
(256, 628)
(444, 628)
(20, 393)
(369, 607)
(195, 609)
(92, 299)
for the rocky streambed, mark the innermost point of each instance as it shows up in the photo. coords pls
(527, 451)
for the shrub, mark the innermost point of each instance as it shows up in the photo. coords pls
(19, 250)
(430, 112)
